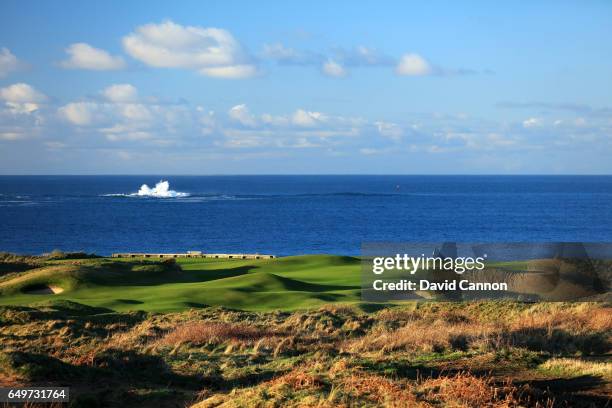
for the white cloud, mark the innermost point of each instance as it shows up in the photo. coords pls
(121, 93)
(499, 140)
(279, 52)
(236, 139)
(210, 51)
(241, 114)
(362, 56)
(79, 113)
(390, 130)
(136, 112)
(231, 71)
(10, 136)
(26, 107)
(21, 93)
(413, 65)
(333, 69)
(306, 119)
(332, 63)
(273, 120)
(301, 129)
(303, 143)
(371, 151)
(206, 120)
(290, 56)
(19, 125)
(84, 56)
(337, 61)
(20, 117)
(121, 107)
(532, 122)
(122, 131)
(118, 120)
(370, 56)
(8, 62)
(22, 98)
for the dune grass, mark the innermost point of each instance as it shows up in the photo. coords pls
(429, 354)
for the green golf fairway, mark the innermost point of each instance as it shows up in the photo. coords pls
(134, 284)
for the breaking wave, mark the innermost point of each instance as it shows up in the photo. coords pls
(161, 190)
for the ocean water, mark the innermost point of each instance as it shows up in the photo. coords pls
(287, 215)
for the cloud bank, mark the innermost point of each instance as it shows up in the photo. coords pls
(117, 123)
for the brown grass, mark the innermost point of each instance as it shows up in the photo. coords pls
(464, 389)
(585, 328)
(297, 380)
(396, 314)
(378, 389)
(423, 336)
(579, 319)
(517, 355)
(199, 333)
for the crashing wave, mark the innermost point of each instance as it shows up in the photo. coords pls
(161, 190)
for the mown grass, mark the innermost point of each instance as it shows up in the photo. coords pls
(122, 285)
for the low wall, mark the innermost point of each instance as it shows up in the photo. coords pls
(188, 255)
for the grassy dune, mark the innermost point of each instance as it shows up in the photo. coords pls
(470, 354)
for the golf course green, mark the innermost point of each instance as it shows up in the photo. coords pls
(286, 283)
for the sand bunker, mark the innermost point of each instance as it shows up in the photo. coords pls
(43, 290)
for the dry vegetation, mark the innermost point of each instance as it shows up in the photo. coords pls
(477, 354)
(201, 333)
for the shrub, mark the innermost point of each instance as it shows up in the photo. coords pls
(57, 254)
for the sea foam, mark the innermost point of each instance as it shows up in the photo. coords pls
(161, 190)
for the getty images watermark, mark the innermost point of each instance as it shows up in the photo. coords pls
(469, 271)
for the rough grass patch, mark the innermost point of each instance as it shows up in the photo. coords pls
(464, 389)
(576, 367)
(423, 336)
(298, 380)
(378, 389)
(199, 333)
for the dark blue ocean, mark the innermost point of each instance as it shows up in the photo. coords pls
(286, 215)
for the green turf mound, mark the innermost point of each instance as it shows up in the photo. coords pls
(269, 282)
(62, 277)
(149, 285)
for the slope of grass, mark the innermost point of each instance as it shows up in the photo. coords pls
(122, 285)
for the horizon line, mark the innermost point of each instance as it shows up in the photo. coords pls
(305, 174)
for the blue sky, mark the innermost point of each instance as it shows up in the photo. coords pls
(312, 87)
